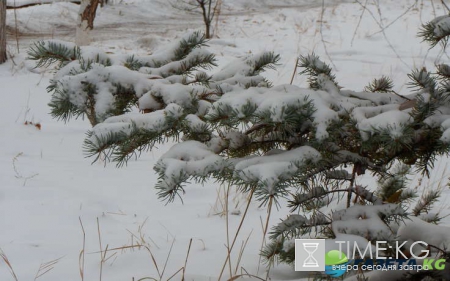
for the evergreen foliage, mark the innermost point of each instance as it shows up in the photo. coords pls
(384, 84)
(307, 145)
(52, 52)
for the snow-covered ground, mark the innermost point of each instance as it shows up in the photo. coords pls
(47, 187)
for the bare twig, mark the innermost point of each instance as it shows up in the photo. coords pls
(359, 22)
(420, 11)
(445, 5)
(17, 31)
(400, 96)
(216, 15)
(295, 70)
(396, 19)
(380, 24)
(434, 9)
(437, 248)
(321, 35)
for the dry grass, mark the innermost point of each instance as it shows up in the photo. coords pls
(46, 267)
(230, 247)
(139, 241)
(82, 252)
(43, 269)
(238, 200)
(266, 227)
(8, 264)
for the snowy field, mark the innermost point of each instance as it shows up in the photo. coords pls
(50, 193)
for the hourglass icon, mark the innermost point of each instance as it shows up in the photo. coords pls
(310, 248)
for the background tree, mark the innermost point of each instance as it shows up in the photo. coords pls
(208, 8)
(85, 22)
(2, 31)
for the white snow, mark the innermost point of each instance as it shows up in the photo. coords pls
(418, 230)
(446, 128)
(40, 216)
(195, 123)
(391, 120)
(189, 158)
(442, 26)
(270, 169)
(365, 221)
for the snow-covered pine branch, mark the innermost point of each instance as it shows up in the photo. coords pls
(90, 82)
(282, 141)
(436, 31)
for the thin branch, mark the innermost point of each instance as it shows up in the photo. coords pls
(445, 5)
(380, 24)
(16, 28)
(434, 9)
(400, 96)
(437, 248)
(295, 70)
(216, 11)
(399, 17)
(420, 11)
(255, 128)
(321, 35)
(359, 22)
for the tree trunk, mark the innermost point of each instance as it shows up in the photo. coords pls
(2, 31)
(205, 5)
(85, 23)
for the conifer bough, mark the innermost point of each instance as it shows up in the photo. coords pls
(308, 145)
